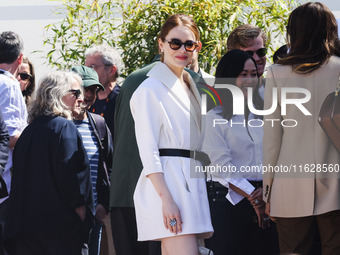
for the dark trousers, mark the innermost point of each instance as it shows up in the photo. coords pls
(302, 235)
(124, 233)
(39, 244)
(236, 230)
(95, 238)
(3, 212)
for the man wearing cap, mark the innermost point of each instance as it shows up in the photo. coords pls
(98, 145)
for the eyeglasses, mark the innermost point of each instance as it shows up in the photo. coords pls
(176, 44)
(25, 76)
(260, 52)
(76, 92)
(93, 66)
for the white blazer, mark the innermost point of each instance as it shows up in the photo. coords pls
(167, 115)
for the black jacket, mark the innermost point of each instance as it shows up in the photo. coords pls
(104, 139)
(51, 178)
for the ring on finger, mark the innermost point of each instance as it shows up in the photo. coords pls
(173, 222)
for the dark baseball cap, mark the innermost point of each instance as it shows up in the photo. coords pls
(88, 75)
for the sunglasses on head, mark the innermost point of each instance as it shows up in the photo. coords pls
(75, 92)
(260, 52)
(25, 76)
(176, 44)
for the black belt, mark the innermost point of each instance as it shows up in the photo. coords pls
(197, 155)
(213, 184)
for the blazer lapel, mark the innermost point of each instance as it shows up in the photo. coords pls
(163, 73)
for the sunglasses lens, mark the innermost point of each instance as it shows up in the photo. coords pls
(75, 92)
(261, 52)
(190, 45)
(24, 76)
(175, 44)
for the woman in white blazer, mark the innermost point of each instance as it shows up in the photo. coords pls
(304, 200)
(170, 198)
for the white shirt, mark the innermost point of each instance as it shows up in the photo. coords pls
(235, 152)
(13, 108)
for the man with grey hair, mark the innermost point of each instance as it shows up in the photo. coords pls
(107, 62)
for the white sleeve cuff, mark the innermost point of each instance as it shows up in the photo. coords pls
(242, 184)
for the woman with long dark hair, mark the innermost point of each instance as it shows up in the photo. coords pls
(305, 201)
(234, 144)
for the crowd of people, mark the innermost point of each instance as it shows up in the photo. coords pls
(92, 166)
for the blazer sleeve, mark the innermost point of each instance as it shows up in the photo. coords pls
(145, 108)
(272, 134)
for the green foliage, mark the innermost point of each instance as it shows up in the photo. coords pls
(86, 23)
(132, 26)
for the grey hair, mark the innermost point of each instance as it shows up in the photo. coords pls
(110, 56)
(48, 99)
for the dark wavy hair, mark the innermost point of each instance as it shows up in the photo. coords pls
(312, 35)
(228, 69)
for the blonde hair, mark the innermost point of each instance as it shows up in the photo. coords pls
(241, 35)
(49, 95)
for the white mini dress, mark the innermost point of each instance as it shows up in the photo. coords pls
(167, 115)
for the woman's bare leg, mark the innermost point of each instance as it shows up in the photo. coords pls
(180, 245)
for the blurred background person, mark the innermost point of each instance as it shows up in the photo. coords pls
(98, 145)
(50, 208)
(26, 78)
(253, 40)
(12, 104)
(194, 66)
(304, 203)
(108, 64)
(280, 53)
(237, 208)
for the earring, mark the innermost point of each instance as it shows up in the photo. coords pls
(162, 50)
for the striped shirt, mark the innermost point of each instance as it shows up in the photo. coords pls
(92, 149)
